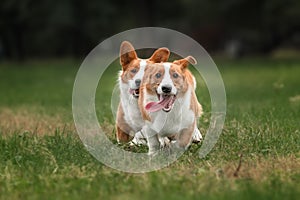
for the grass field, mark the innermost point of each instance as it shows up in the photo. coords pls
(41, 156)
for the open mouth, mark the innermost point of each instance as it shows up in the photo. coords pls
(165, 103)
(134, 92)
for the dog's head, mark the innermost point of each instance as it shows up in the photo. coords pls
(133, 68)
(168, 81)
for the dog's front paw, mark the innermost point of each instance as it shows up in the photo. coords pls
(197, 137)
(164, 142)
(138, 142)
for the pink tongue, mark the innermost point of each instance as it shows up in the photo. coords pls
(156, 106)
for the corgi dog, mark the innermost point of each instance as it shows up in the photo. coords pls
(129, 119)
(169, 104)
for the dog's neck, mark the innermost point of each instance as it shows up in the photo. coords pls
(180, 115)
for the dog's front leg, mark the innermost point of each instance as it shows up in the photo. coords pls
(152, 140)
(185, 137)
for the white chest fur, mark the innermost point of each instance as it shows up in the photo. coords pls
(180, 117)
(132, 114)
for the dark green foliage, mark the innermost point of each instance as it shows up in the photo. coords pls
(51, 28)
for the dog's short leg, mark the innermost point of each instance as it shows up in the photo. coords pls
(123, 129)
(152, 140)
(122, 137)
(185, 137)
(153, 144)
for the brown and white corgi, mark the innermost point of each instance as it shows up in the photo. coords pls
(129, 120)
(169, 104)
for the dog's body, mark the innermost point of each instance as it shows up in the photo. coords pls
(177, 110)
(129, 119)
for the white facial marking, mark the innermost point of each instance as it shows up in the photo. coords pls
(138, 75)
(167, 80)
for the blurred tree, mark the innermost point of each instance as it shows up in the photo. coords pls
(13, 20)
(261, 25)
(31, 28)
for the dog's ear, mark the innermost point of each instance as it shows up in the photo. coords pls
(185, 62)
(160, 55)
(127, 54)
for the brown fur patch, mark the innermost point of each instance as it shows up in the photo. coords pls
(188, 82)
(160, 55)
(122, 128)
(196, 106)
(185, 136)
(144, 113)
(128, 74)
(151, 82)
(127, 54)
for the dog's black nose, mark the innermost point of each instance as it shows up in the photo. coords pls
(166, 88)
(138, 82)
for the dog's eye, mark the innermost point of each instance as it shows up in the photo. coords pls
(158, 75)
(134, 70)
(175, 75)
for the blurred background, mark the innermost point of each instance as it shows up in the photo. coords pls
(71, 28)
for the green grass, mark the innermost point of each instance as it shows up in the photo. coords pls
(262, 123)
